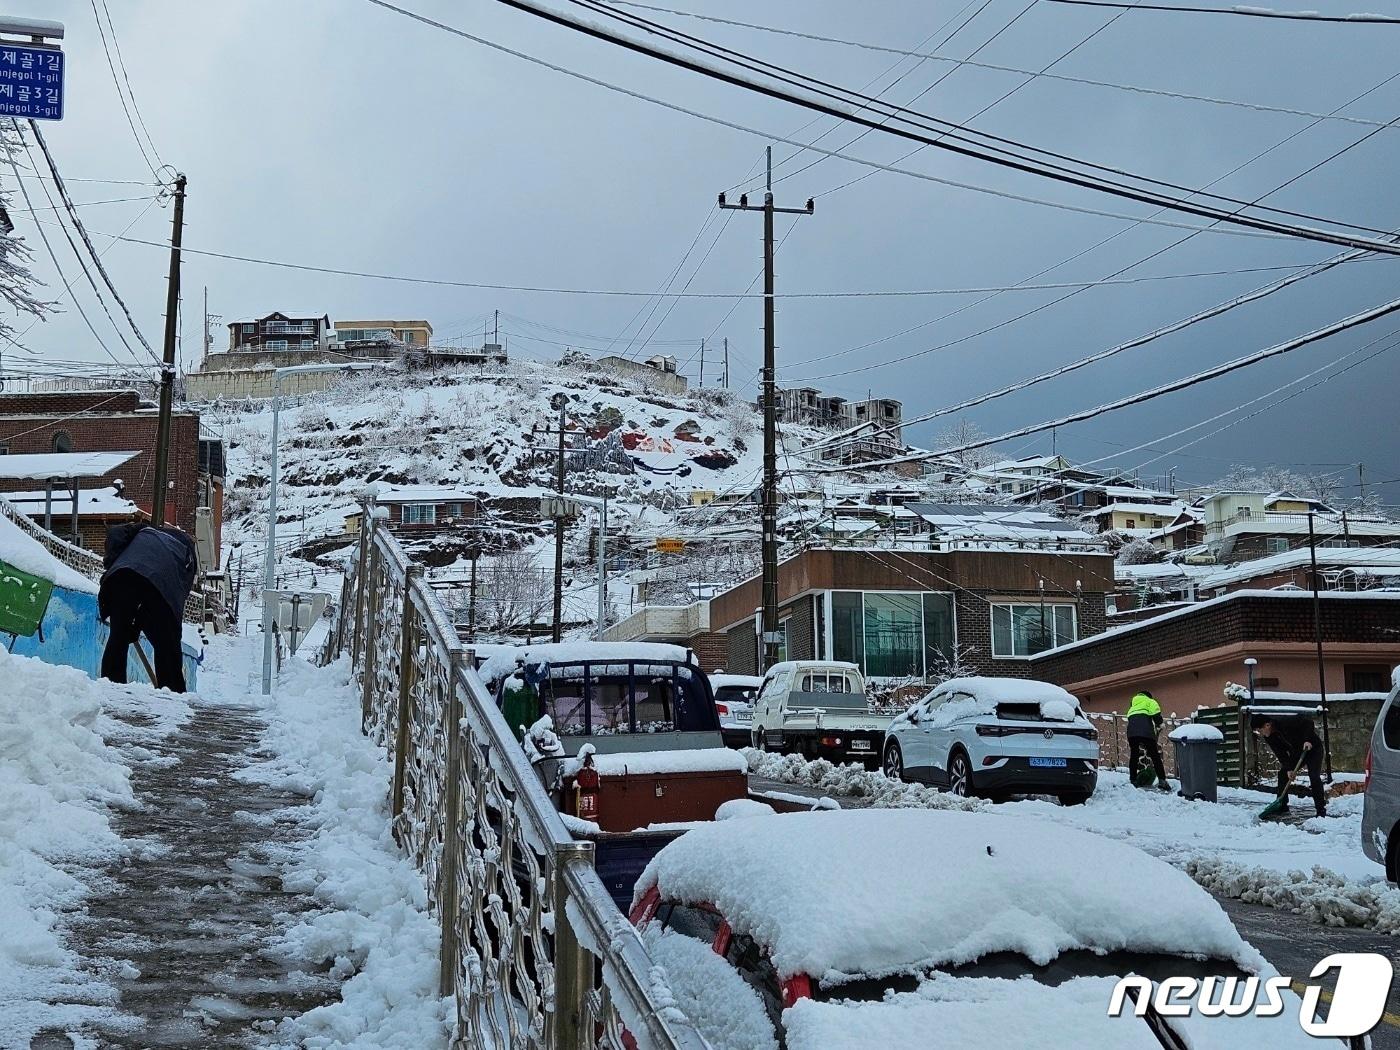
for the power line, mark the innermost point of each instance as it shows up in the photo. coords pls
(1250, 12)
(1122, 270)
(121, 62)
(948, 140)
(82, 232)
(121, 97)
(1283, 231)
(1258, 107)
(632, 293)
(1353, 321)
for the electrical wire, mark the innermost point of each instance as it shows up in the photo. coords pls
(87, 241)
(923, 176)
(121, 97)
(1278, 349)
(866, 46)
(948, 139)
(121, 62)
(1250, 12)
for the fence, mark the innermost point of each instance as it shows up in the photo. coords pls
(534, 949)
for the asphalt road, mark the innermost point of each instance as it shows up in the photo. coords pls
(1295, 945)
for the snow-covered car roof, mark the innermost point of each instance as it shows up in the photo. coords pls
(812, 665)
(747, 681)
(503, 659)
(1004, 690)
(875, 892)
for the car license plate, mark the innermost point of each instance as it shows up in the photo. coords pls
(1048, 763)
(860, 745)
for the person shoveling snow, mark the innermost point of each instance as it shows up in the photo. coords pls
(1144, 723)
(1294, 740)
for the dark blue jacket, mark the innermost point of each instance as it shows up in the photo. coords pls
(163, 556)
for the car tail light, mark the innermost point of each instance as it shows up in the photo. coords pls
(1366, 786)
(722, 708)
(831, 741)
(989, 730)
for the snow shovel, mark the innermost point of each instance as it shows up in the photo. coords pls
(146, 663)
(1280, 804)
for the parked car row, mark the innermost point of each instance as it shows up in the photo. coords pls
(989, 737)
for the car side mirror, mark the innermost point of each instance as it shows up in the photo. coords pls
(914, 717)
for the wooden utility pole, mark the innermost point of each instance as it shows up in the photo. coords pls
(770, 636)
(167, 371)
(702, 362)
(726, 362)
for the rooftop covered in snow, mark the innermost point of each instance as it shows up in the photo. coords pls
(41, 466)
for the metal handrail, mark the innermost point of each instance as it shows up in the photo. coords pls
(525, 918)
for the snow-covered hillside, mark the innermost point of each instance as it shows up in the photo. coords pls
(493, 433)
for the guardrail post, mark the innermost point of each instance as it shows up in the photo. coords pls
(448, 904)
(408, 651)
(369, 590)
(573, 964)
(365, 535)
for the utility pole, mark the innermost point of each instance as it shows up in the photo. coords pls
(602, 566)
(769, 492)
(496, 329)
(556, 634)
(702, 363)
(1361, 479)
(1317, 637)
(726, 362)
(167, 372)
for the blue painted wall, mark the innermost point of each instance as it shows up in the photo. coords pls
(73, 637)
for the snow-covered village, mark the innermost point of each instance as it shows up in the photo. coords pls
(590, 525)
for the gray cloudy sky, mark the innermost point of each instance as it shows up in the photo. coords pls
(338, 134)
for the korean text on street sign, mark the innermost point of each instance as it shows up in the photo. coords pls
(31, 82)
(670, 546)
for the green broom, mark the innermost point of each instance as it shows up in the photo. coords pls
(1280, 804)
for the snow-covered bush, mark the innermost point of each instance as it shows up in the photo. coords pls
(1139, 552)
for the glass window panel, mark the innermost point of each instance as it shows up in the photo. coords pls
(938, 630)
(847, 631)
(1065, 627)
(894, 634)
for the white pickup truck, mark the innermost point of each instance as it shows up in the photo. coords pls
(818, 708)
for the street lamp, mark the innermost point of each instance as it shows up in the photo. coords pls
(1250, 664)
(270, 560)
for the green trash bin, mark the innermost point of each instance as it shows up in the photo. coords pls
(1197, 760)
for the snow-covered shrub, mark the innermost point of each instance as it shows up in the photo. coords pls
(1139, 552)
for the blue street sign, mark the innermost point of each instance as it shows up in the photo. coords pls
(31, 82)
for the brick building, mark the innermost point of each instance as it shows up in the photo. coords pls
(903, 613)
(1187, 657)
(111, 421)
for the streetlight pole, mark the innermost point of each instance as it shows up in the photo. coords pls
(270, 557)
(1250, 663)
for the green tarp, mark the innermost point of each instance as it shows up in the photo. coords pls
(23, 601)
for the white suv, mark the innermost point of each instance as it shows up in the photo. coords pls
(996, 737)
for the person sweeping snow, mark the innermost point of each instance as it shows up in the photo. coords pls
(149, 574)
(1144, 723)
(1294, 739)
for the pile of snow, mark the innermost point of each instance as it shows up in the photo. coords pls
(847, 892)
(25, 553)
(59, 782)
(374, 925)
(648, 763)
(852, 781)
(1320, 895)
(723, 1007)
(742, 808)
(1197, 731)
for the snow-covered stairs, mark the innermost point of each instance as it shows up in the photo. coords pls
(183, 928)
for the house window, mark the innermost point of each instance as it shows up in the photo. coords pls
(249, 329)
(419, 514)
(1024, 630)
(1276, 544)
(1132, 523)
(276, 344)
(453, 510)
(892, 634)
(62, 441)
(1367, 678)
(783, 641)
